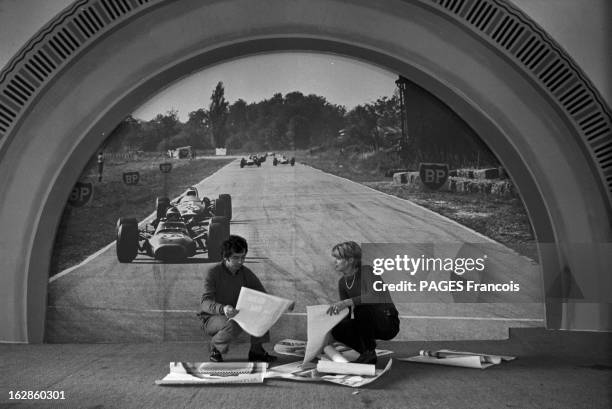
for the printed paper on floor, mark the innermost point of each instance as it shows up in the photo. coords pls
(458, 358)
(194, 373)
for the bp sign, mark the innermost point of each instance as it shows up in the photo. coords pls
(81, 194)
(433, 175)
(165, 167)
(131, 178)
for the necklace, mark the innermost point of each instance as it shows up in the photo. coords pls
(346, 282)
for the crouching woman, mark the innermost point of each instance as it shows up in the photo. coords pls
(375, 315)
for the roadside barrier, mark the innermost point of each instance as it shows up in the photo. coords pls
(493, 181)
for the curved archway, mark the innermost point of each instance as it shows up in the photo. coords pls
(100, 59)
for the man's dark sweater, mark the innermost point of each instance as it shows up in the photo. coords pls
(222, 287)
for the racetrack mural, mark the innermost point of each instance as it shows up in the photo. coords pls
(291, 215)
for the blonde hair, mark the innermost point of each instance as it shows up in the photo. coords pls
(349, 249)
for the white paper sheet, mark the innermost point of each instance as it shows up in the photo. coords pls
(458, 358)
(258, 312)
(194, 373)
(319, 325)
(346, 368)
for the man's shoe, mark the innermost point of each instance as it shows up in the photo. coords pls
(261, 357)
(215, 356)
(367, 357)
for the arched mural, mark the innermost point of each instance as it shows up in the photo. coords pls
(99, 59)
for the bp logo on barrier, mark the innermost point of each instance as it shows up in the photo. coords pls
(131, 178)
(165, 167)
(433, 175)
(81, 194)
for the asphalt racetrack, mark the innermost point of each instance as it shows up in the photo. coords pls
(291, 217)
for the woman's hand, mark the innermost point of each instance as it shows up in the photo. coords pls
(336, 308)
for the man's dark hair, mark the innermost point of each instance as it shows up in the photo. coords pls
(234, 244)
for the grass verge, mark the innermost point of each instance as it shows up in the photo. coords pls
(504, 220)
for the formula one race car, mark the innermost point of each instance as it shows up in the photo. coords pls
(179, 229)
(193, 209)
(282, 160)
(252, 160)
(172, 239)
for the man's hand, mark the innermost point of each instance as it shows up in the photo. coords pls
(336, 308)
(229, 311)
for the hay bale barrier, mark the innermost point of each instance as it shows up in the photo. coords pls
(491, 181)
(400, 178)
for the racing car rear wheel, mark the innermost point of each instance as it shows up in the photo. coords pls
(292, 161)
(217, 234)
(223, 206)
(275, 162)
(127, 240)
(161, 205)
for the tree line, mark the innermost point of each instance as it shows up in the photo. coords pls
(432, 132)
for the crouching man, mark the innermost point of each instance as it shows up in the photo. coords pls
(221, 290)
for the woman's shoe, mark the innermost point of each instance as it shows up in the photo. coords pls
(367, 357)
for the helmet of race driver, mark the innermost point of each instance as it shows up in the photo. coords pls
(173, 214)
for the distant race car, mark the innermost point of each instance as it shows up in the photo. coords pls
(282, 160)
(182, 230)
(252, 160)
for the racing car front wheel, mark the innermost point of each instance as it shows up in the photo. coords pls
(127, 240)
